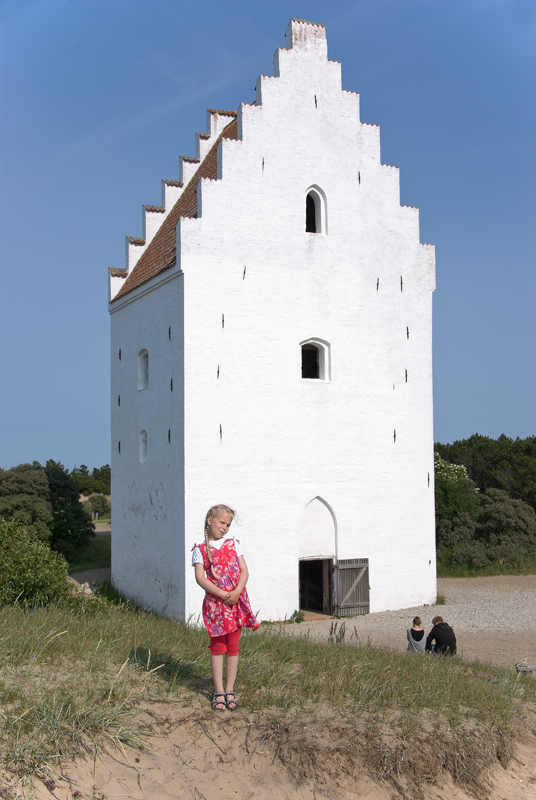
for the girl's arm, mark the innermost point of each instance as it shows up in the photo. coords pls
(244, 575)
(207, 585)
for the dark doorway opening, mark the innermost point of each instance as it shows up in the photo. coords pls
(310, 361)
(316, 585)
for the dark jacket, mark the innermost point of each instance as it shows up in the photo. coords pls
(445, 640)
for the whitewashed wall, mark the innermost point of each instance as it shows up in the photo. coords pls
(248, 260)
(148, 497)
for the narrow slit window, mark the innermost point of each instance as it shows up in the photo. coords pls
(315, 211)
(143, 370)
(143, 446)
(310, 214)
(310, 361)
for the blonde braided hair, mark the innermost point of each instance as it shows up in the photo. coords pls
(212, 512)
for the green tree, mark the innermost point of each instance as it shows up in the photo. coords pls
(71, 525)
(507, 527)
(455, 493)
(503, 534)
(83, 479)
(503, 463)
(103, 476)
(98, 481)
(24, 498)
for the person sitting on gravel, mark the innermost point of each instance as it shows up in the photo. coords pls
(445, 639)
(416, 637)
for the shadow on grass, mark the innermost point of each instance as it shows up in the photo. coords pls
(174, 671)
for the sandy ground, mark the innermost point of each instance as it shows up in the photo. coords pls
(195, 754)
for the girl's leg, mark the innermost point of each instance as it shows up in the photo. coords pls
(231, 667)
(217, 648)
(216, 665)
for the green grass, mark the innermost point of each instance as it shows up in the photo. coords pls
(96, 555)
(71, 680)
(445, 570)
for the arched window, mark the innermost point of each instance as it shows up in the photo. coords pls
(310, 361)
(310, 214)
(315, 364)
(143, 446)
(315, 211)
(143, 369)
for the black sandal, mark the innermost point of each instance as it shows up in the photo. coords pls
(215, 703)
(233, 703)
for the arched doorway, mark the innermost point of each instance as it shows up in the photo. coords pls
(317, 551)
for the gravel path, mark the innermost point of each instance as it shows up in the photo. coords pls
(494, 619)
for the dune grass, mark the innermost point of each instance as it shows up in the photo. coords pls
(73, 680)
(96, 555)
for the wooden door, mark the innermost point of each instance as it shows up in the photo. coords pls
(352, 587)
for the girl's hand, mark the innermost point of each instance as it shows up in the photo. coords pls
(233, 597)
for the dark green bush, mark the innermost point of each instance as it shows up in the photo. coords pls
(24, 498)
(29, 570)
(98, 504)
(503, 534)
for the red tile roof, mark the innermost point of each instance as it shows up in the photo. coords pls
(135, 240)
(161, 254)
(160, 209)
(174, 183)
(118, 273)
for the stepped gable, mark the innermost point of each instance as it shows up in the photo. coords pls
(161, 254)
(116, 272)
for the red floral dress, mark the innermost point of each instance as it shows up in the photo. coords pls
(219, 617)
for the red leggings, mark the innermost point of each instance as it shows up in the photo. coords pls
(228, 643)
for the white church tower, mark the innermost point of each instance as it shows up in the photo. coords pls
(272, 350)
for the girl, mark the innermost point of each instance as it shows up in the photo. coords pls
(226, 607)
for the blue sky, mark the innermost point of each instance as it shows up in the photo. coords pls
(100, 97)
